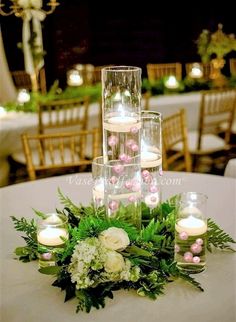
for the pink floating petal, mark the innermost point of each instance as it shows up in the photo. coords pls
(196, 259)
(136, 186)
(196, 249)
(183, 235)
(145, 173)
(134, 147)
(177, 248)
(129, 143)
(123, 157)
(132, 198)
(153, 189)
(134, 129)
(128, 159)
(47, 256)
(199, 241)
(113, 205)
(188, 257)
(113, 140)
(113, 180)
(118, 169)
(128, 184)
(160, 172)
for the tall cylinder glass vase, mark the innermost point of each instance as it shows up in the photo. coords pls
(121, 110)
(151, 158)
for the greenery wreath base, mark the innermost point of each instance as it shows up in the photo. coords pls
(89, 266)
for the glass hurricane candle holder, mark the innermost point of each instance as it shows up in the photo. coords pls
(123, 191)
(121, 92)
(98, 182)
(151, 157)
(52, 231)
(191, 232)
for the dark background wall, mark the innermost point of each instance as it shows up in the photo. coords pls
(119, 32)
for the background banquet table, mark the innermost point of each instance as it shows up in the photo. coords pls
(26, 295)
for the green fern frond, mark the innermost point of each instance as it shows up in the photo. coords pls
(216, 237)
(69, 204)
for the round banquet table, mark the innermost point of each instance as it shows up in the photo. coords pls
(27, 295)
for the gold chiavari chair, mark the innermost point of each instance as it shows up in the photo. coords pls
(206, 69)
(63, 113)
(232, 66)
(217, 107)
(158, 71)
(44, 152)
(174, 131)
(22, 80)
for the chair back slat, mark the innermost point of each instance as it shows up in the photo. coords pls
(63, 113)
(58, 150)
(158, 71)
(174, 131)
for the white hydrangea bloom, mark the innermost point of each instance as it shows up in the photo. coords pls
(92, 263)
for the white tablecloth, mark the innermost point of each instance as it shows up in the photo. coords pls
(27, 295)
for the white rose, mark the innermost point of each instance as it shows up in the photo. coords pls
(114, 238)
(114, 262)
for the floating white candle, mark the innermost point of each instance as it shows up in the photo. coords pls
(121, 123)
(150, 159)
(191, 225)
(53, 219)
(51, 236)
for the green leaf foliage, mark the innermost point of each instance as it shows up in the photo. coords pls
(151, 249)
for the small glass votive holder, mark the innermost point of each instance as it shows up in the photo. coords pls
(98, 182)
(123, 191)
(52, 232)
(191, 232)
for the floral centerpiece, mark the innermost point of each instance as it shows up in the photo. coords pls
(103, 255)
(214, 47)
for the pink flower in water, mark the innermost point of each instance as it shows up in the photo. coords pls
(113, 140)
(153, 188)
(196, 248)
(145, 173)
(136, 186)
(134, 147)
(183, 235)
(128, 159)
(113, 205)
(113, 180)
(47, 256)
(134, 130)
(196, 259)
(123, 157)
(199, 241)
(128, 184)
(188, 257)
(177, 248)
(132, 198)
(129, 143)
(118, 169)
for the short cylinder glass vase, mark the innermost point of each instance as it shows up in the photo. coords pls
(191, 232)
(52, 232)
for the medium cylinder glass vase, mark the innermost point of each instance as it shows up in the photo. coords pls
(151, 158)
(121, 93)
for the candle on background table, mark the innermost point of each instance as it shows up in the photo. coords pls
(172, 82)
(23, 96)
